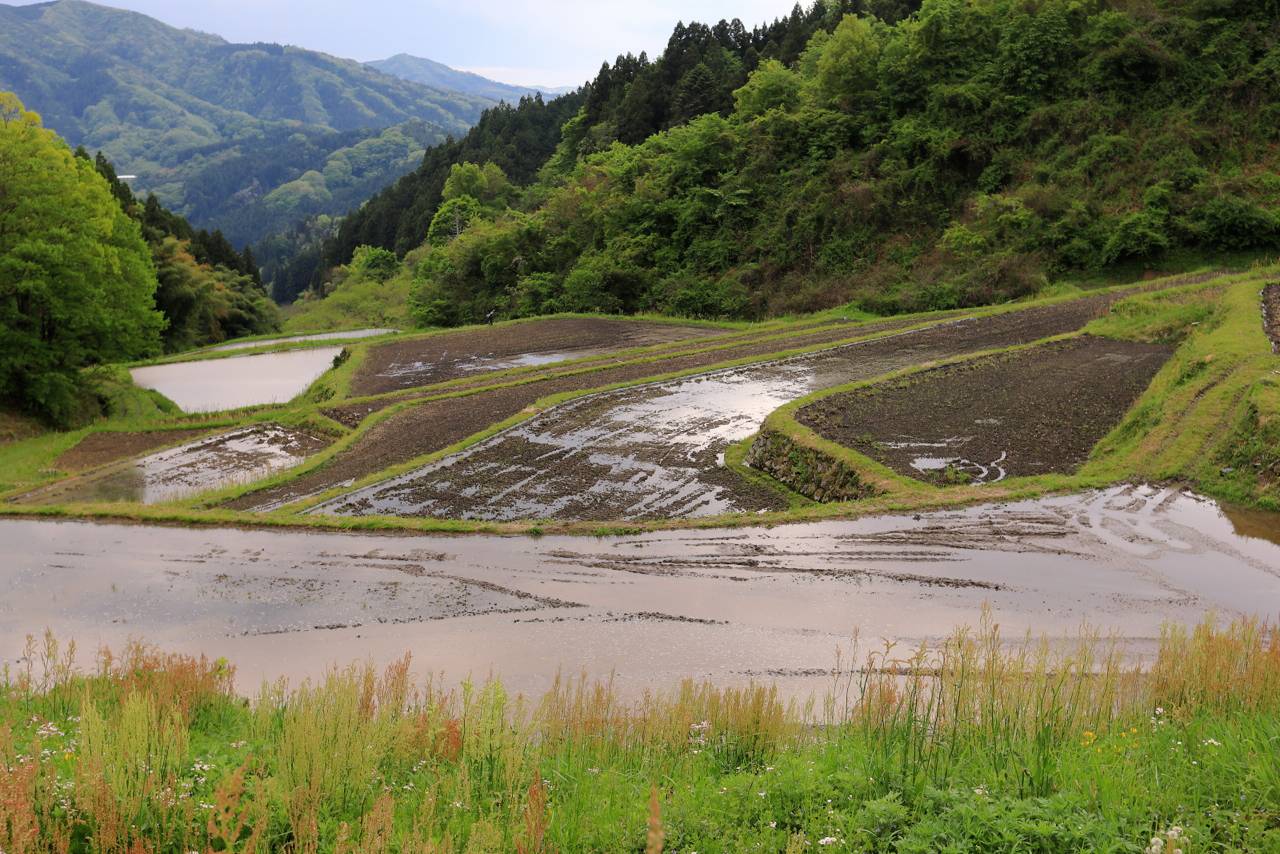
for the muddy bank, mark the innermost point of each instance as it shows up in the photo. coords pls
(1026, 413)
(1271, 314)
(98, 449)
(450, 355)
(655, 451)
(653, 608)
(213, 462)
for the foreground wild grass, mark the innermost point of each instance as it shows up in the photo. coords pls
(975, 745)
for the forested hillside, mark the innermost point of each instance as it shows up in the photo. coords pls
(222, 132)
(965, 154)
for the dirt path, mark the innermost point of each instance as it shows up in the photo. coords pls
(447, 356)
(764, 603)
(1271, 314)
(655, 451)
(1025, 413)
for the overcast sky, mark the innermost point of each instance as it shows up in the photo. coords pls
(530, 42)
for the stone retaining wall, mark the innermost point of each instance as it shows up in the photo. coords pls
(806, 470)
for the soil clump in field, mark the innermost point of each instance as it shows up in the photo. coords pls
(1016, 414)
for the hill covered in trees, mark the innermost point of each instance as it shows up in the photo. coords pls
(246, 138)
(961, 153)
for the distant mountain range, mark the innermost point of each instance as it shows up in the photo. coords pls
(243, 137)
(437, 75)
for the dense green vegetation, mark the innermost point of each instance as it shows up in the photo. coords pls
(76, 276)
(208, 292)
(974, 746)
(711, 61)
(222, 132)
(966, 154)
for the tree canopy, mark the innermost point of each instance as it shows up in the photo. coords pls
(77, 282)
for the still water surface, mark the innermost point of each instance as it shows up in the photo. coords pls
(216, 384)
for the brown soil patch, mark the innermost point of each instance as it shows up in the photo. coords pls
(1025, 413)
(437, 358)
(435, 425)
(1271, 314)
(100, 448)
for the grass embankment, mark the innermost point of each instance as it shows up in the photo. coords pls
(1210, 418)
(974, 746)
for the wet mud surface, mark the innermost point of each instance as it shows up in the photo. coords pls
(98, 449)
(656, 451)
(436, 358)
(1026, 413)
(1271, 314)
(725, 605)
(437, 424)
(213, 385)
(238, 456)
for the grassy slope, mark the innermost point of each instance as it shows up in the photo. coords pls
(974, 746)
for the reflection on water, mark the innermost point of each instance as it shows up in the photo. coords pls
(323, 336)
(216, 384)
(213, 462)
(481, 364)
(767, 603)
(1256, 524)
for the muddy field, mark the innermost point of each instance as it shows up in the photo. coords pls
(436, 358)
(1271, 314)
(1026, 413)
(211, 462)
(770, 604)
(98, 449)
(655, 451)
(437, 424)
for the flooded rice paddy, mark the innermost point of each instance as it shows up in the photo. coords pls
(437, 358)
(290, 339)
(729, 605)
(655, 451)
(213, 462)
(217, 384)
